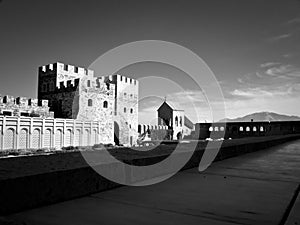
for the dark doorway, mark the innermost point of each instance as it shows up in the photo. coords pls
(116, 133)
(179, 135)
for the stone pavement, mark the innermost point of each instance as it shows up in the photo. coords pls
(256, 188)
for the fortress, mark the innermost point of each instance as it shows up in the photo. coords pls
(74, 107)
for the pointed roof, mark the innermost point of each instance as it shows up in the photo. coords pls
(174, 106)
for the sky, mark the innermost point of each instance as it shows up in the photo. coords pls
(252, 47)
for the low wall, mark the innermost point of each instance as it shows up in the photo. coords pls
(28, 182)
(34, 133)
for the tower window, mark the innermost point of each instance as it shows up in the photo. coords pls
(131, 111)
(44, 88)
(105, 104)
(90, 102)
(176, 121)
(124, 109)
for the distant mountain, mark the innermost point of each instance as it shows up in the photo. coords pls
(262, 116)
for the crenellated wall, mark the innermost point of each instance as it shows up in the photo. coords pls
(34, 133)
(22, 106)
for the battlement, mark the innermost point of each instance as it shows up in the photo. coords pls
(22, 101)
(67, 85)
(59, 67)
(122, 79)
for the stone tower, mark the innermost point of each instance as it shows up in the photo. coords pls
(75, 93)
(126, 109)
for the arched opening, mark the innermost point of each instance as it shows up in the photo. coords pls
(36, 137)
(90, 102)
(179, 136)
(23, 139)
(9, 138)
(94, 137)
(86, 137)
(105, 104)
(254, 129)
(247, 129)
(180, 121)
(77, 137)
(221, 128)
(176, 121)
(210, 128)
(241, 129)
(131, 110)
(216, 128)
(139, 128)
(261, 129)
(47, 138)
(116, 133)
(58, 138)
(68, 137)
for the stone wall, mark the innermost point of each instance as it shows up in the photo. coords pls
(34, 133)
(22, 106)
(126, 109)
(75, 93)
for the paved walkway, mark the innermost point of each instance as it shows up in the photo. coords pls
(257, 188)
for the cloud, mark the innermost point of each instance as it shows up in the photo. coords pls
(265, 92)
(284, 71)
(280, 37)
(268, 64)
(294, 20)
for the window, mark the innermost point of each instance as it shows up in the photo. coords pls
(44, 89)
(261, 129)
(180, 121)
(125, 94)
(131, 95)
(88, 83)
(131, 110)
(211, 129)
(90, 102)
(76, 69)
(241, 129)
(254, 129)
(124, 109)
(216, 128)
(66, 67)
(176, 121)
(7, 113)
(24, 114)
(248, 129)
(51, 87)
(105, 104)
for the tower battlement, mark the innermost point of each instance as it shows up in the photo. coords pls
(67, 85)
(123, 79)
(63, 68)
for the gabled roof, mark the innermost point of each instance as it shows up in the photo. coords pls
(172, 105)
